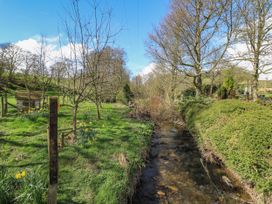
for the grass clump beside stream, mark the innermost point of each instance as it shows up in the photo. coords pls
(98, 171)
(239, 132)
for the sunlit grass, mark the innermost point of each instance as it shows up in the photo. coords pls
(89, 173)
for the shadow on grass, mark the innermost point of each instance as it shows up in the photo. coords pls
(68, 200)
(67, 192)
(25, 165)
(85, 154)
(20, 144)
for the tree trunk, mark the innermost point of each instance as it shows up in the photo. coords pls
(75, 122)
(255, 88)
(98, 111)
(198, 85)
(43, 100)
(173, 86)
(6, 103)
(29, 101)
(63, 99)
(2, 106)
(255, 81)
(211, 88)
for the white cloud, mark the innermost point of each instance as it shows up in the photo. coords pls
(239, 50)
(52, 48)
(148, 69)
(30, 45)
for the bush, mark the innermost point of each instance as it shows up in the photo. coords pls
(207, 88)
(222, 92)
(226, 90)
(128, 93)
(190, 92)
(239, 132)
(125, 95)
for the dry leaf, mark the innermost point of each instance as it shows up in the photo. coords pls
(160, 193)
(173, 188)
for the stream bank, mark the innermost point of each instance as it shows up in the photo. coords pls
(176, 173)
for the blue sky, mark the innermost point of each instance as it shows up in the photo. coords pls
(24, 19)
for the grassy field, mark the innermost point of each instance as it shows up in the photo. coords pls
(90, 172)
(239, 132)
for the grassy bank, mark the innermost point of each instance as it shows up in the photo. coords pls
(239, 132)
(96, 171)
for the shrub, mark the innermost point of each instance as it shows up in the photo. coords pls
(226, 90)
(128, 93)
(222, 92)
(190, 92)
(125, 95)
(207, 88)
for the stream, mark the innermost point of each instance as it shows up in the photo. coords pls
(175, 173)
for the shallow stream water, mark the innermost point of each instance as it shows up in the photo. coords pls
(176, 174)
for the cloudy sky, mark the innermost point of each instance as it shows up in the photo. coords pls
(22, 22)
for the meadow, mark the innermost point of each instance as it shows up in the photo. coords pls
(97, 169)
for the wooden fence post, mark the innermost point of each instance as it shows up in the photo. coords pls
(53, 150)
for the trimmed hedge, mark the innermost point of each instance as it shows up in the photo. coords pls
(238, 131)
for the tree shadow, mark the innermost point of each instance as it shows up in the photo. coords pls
(21, 144)
(64, 189)
(205, 172)
(85, 154)
(24, 165)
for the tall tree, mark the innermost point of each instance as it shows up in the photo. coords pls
(28, 72)
(194, 37)
(43, 72)
(87, 36)
(11, 56)
(256, 33)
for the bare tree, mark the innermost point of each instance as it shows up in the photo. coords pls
(11, 56)
(43, 72)
(109, 77)
(116, 74)
(164, 47)
(87, 37)
(199, 32)
(256, 33)
(29, 65)
(58, 73)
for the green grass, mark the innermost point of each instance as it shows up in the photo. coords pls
(240, 132)
(89, 173)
